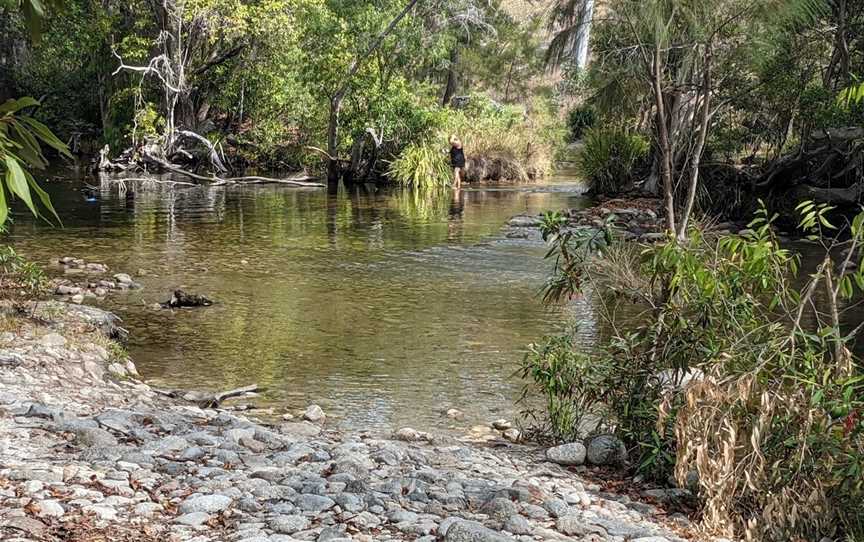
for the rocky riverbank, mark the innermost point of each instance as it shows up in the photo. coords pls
(633, 219)
(88, 452)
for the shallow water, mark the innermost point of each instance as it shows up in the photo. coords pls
(384, 307)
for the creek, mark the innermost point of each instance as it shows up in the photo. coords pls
(383, 306)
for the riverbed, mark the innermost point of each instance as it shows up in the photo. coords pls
(385, 307)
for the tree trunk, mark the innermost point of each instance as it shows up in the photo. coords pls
(452, 77)
(696, 158)
(665, 147)
(334, 170)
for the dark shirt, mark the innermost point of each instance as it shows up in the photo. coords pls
(457, 157)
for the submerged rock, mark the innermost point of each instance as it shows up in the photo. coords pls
(181, 299)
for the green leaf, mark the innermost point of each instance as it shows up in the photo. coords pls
(4, 207)
(11, 106)
(43, 196)
(45, 134)
(29, 150)
(17, 182)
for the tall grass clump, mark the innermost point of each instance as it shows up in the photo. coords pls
(423, 165)
(502, 143)
(609, 158)
(736, 380)
(18, 276)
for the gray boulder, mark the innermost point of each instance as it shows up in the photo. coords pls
(606, 450)
(567, 454)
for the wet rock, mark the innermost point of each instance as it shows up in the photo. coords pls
(180, 299)
(408, 434)
(524, 221)
(606, 450)
(567, 454)
(123, 278)
(314, 414)
(455, 414)
(65, 289)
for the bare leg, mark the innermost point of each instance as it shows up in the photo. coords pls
(457, 178)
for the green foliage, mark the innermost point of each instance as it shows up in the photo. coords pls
(570, 249)
(851, 95)
(21, 140)
(20, 275)
(579, 120)
(33, 12)
(732, 369)
(570, 382)
(609, 158)
(422, 165)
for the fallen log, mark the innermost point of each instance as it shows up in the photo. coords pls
(299, 180)
(206, 399)
(149, 180)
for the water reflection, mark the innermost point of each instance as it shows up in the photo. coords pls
(383, 306)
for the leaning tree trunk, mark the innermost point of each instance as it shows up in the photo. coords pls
(696, 156)
(665, 146)
(452, 76)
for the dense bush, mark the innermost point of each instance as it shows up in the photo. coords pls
(734, 375)
(609, 158)
(579, 120)
(501, 142)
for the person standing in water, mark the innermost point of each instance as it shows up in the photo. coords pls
(457, 161)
